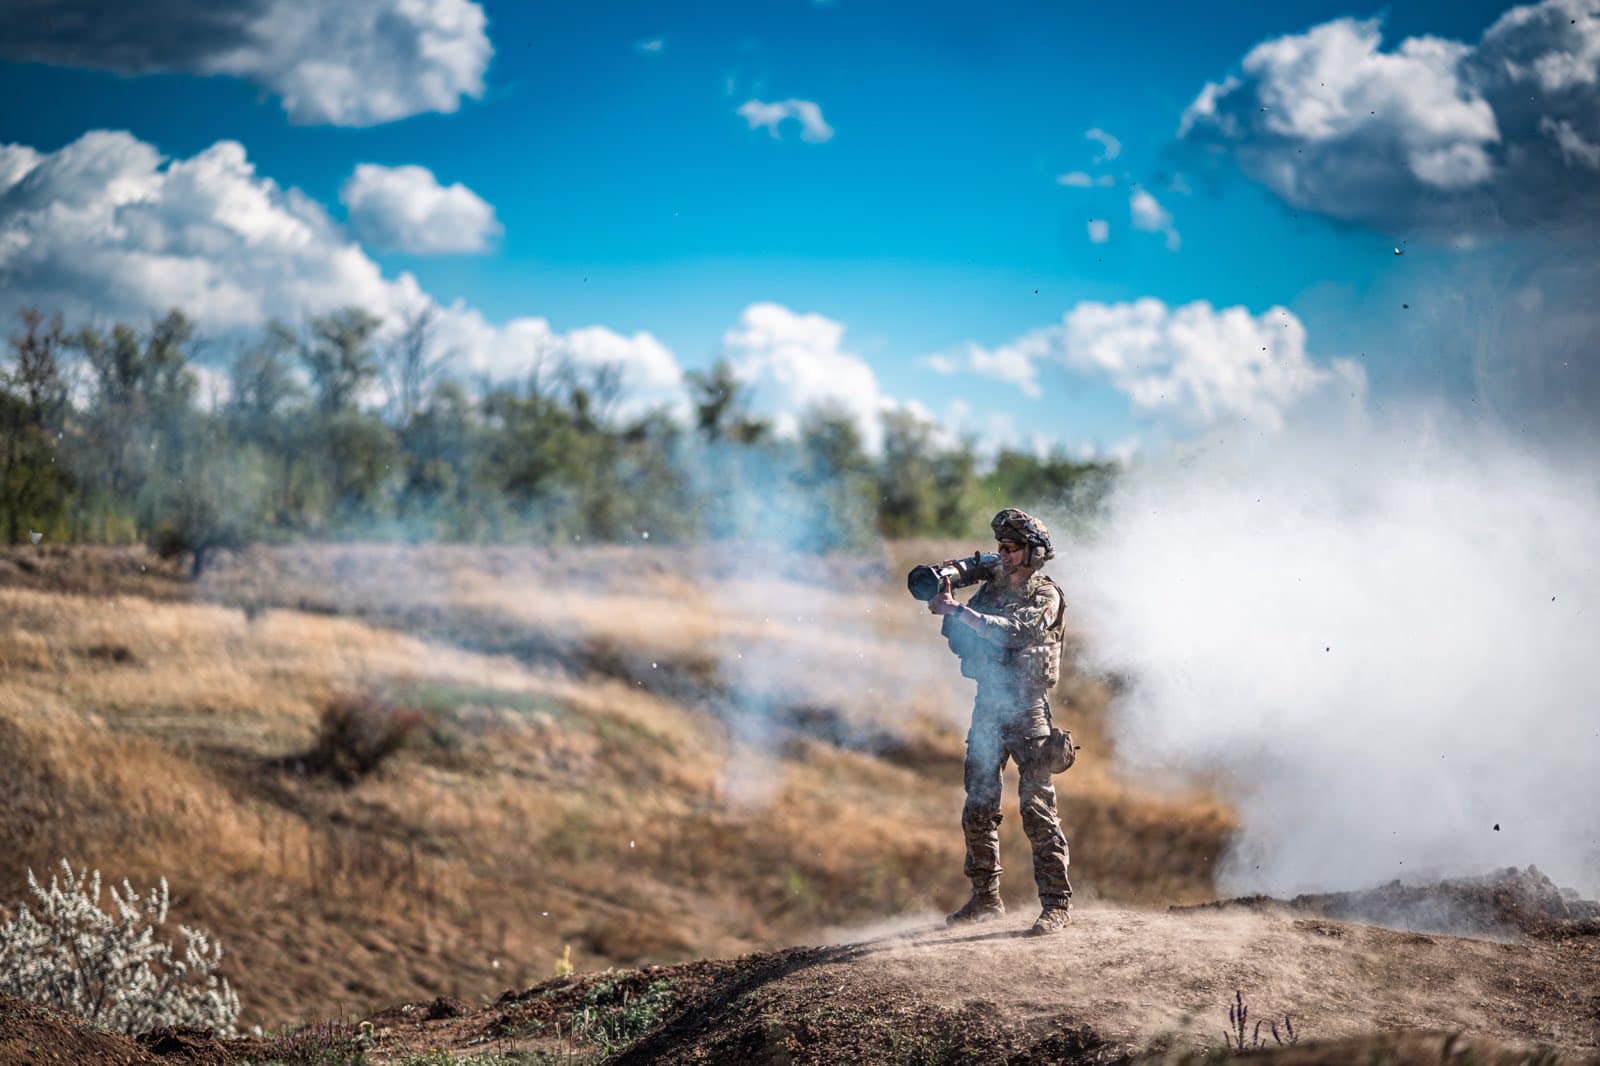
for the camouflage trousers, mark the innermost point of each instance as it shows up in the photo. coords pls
(990, 745)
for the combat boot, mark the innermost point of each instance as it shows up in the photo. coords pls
(985, 905)
(1053, 919)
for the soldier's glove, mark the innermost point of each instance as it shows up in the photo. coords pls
(1059, 751)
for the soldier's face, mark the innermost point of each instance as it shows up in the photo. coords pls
(1012, 555)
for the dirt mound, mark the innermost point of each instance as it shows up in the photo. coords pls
(1506, 902)
(1121, 986)
(32, 1033)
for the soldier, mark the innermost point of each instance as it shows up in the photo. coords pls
(1009, 640)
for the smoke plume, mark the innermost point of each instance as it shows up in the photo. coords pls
(1380, 636)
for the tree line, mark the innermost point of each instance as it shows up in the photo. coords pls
(331, 428)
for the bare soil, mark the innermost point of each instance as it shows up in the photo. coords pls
(1122, 985)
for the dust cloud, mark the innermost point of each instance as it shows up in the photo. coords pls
(1381, 634)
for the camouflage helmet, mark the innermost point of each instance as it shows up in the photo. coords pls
(1022, 527)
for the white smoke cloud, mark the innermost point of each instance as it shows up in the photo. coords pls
(406, 209)
(1194, 365)
(346, 64)
(1380, 636)
(794, 362)
(813, 127)
(1466, 139)
(1099, 230)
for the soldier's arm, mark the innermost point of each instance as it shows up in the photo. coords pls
(1017, 626)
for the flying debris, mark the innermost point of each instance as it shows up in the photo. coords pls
(1398, 251)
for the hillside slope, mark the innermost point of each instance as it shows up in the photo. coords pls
(613, 756)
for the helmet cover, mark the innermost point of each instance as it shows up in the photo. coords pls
(1020, 526)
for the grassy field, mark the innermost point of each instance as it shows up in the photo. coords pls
(620, 755)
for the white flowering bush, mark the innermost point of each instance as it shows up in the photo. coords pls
(109, 968)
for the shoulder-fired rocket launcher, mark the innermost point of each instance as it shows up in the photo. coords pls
(924, 581)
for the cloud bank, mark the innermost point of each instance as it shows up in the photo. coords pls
(1461, 139)
(352, 64)
(106, 227)
(406, 209)
(1191, 366)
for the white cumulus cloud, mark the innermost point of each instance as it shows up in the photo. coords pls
(1077, 179)
(1016, 363)
(351, 64)
(1099, 230)
(1148, 214)
(1465, 138)
(645, 372)
(771, 116)
(1110, 147)
(794, 362)
(107, 227)
(406, 209)
(1194, 365)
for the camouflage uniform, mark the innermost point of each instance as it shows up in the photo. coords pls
(1015, 656)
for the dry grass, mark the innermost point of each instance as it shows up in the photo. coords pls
(642, 753)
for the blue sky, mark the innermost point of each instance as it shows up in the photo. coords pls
(625, 191)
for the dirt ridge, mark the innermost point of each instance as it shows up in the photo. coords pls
(1122, 985)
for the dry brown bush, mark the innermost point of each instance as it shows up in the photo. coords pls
(356, 734)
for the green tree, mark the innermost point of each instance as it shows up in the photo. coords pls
(444, 491)
(1054, 482)
(721, 406)
(924, 488)
(352, 454)
(265, 402)
(834, 476)
(218, 498)
(143, 392)
(34, 487)
(338, 353)
(411, 363)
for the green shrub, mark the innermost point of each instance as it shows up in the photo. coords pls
(613, 1018)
